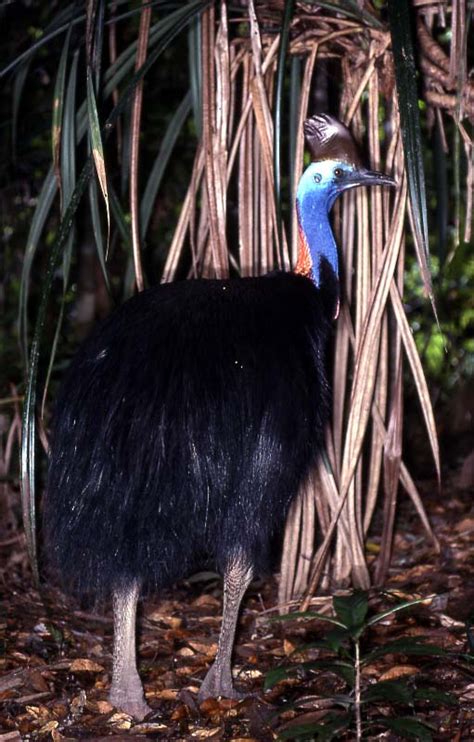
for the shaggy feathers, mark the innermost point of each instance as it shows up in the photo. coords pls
(184, 428)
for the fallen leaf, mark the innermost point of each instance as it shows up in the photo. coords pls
(209, 650)
(149, 728)
(99, 707)
(167, 694)
(206, 601)
(49, 727)
(12, 680)
(184, 671)
(466, 525)
(248, 674)
(399, 671)
(78, 703)
(158, 617)
(206, 733)
(185, 652)
(38, 712)
(288, 647)
(181, 712)
(84, 665)
(37, 681)
(120, 721)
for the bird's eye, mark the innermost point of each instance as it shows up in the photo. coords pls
(338, 172)
(317, 178)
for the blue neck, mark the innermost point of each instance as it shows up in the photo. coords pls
(314, 201)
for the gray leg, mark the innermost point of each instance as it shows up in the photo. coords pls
(218, 681)
(126, 692)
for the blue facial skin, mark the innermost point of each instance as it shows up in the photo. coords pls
(321, 183)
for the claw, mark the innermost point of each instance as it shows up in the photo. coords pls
(136, 707)
(215, 685)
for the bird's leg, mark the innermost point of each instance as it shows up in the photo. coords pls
(126, 692)
(218, 681)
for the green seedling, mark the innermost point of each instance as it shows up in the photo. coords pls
(349, 625)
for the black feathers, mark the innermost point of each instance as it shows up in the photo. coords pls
(184, 428)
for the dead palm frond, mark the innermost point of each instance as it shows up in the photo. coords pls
(232, 216)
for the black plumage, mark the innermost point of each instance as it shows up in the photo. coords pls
(188, 421)
(183, 429)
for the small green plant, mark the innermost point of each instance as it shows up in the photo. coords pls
(343, 655)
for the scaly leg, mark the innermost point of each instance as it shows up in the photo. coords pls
(126, 692)
(218, 681)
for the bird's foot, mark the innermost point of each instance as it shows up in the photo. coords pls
(132, 702)
(219, 683)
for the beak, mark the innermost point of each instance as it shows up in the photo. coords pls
(364, 177)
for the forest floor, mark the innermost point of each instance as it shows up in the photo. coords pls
(55, 657)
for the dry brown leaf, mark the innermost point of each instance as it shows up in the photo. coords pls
(99, 707)
(209, 650)
(37, 681)
(167, 694)
(206, 601)
(185, 671)
(206, 733)
(85, 665)
(48, 728)
(13, 680)
(38, 712)
(181, 712)
(150, 728)
(120, 721)
(174, 621)
(399, 671)
(176, 634)
(466, 525)
(209, 706)
(185, 652)
(288, 646)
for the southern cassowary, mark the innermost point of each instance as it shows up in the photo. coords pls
(187, 422)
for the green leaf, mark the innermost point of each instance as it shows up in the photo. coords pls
(162, 159)
(50, 33)
(332, 642)
(410, 646)
(97, 230)
(58, 103)
(277, 674)
(97, 147)
(326, 729)
(400, 607)
(195, 66)
(352, 609)
(394, 691)
(18, 85)
(28, 440)
(277, 106)
(408, 728)
(343, 669)
(308, 614)
(407, 93)
(435, 696)
(295, 93)
(41, 213)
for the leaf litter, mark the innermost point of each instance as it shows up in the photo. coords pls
(55, 658)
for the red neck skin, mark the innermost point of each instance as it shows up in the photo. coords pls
(304, 264)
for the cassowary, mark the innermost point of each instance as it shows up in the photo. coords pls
(187, 422)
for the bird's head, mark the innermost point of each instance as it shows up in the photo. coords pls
(336, 167)
(325, 180)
